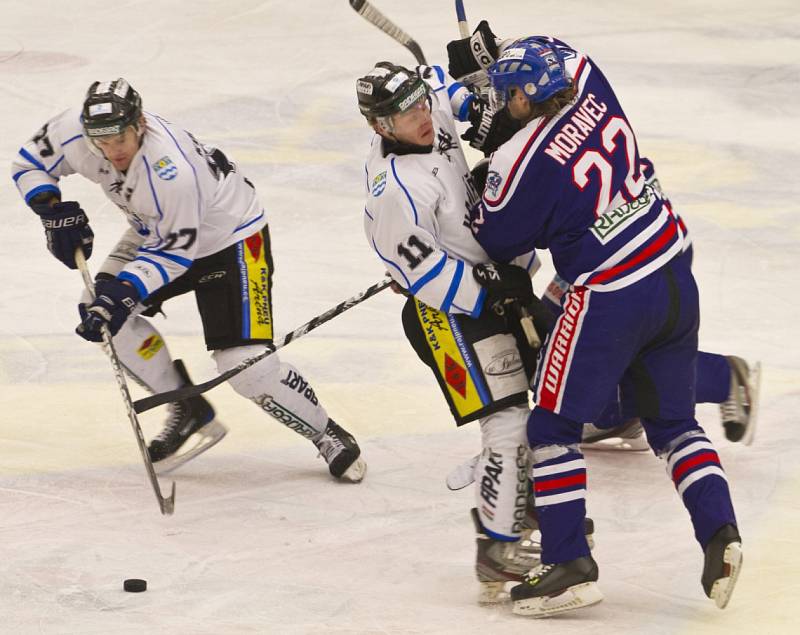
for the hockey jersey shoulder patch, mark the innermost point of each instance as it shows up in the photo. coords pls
(165, 168)
(379, 184)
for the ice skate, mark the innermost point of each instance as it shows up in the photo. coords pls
(554, 588)
(723, 561)
(190, 430)
(628, 436)
(341, 452)
(499, 562)
(740, 411)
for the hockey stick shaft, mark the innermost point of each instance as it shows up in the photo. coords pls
(167, 505)
(191, 391)
(463, 25)
(368, 11)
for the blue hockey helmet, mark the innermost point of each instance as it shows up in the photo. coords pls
(534, 65)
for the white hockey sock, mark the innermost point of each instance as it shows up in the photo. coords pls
(501, 475)
(278, 388)
(143, 353)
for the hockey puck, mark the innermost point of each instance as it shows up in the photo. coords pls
(134, 585)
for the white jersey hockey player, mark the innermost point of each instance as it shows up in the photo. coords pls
(196, 224)
(418, 193)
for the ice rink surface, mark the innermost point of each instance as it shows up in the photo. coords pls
(262, 540)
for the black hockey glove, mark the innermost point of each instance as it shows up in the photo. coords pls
(489, 129)
(66, 227)
(504, 283)
(113, 304)
(469, 58)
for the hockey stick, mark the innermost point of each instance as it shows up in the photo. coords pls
(463, 25)
(367, 11)
(180, 394)
(167, 505)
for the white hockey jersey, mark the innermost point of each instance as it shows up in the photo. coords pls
(185, 200)
(416, 216)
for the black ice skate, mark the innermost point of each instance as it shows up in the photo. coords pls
(554, 588)
(192, 418)
(723, 561)
(628, 436)
(739, 411)
(341, 452)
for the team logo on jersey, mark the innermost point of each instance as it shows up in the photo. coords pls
(493, 181)
(165, 169)
(379, 184)
(150, 346)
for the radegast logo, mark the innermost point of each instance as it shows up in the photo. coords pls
(165, 169)
(379, 184)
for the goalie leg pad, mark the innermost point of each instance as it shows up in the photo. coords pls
(277, 388)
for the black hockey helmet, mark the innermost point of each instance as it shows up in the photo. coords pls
(110, 107)
(389, 89)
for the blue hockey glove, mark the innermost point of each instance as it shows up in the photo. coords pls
(66, 227)
(112, 306)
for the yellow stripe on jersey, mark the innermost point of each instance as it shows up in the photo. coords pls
(450, 363)
(258, 300)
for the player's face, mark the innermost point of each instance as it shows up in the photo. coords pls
(119, 149)
(519, 107)
(414, 125)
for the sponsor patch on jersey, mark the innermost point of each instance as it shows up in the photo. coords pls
(493, 181)
(165, 169)
(379, 184)
(150, 346)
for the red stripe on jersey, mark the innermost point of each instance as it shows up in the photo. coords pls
(515, 167)
(558, 483)
(704, 457)
(666, 235)
(512, 173)
(560, 347)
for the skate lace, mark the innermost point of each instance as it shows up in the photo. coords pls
(330, 445)
(176, 412)
(537, 573)
(733, 409)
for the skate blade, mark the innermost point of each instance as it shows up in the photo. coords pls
(201, 440)
(722, 589)
(618, 444)
(493, 593)
(755, 389)
(575, 597)
(463, 475)
(355, 473)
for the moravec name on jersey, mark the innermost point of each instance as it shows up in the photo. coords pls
(581, 124)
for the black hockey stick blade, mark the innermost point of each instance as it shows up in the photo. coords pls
(180, 394)
(368, 11)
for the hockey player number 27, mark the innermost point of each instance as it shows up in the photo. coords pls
(595, 159)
